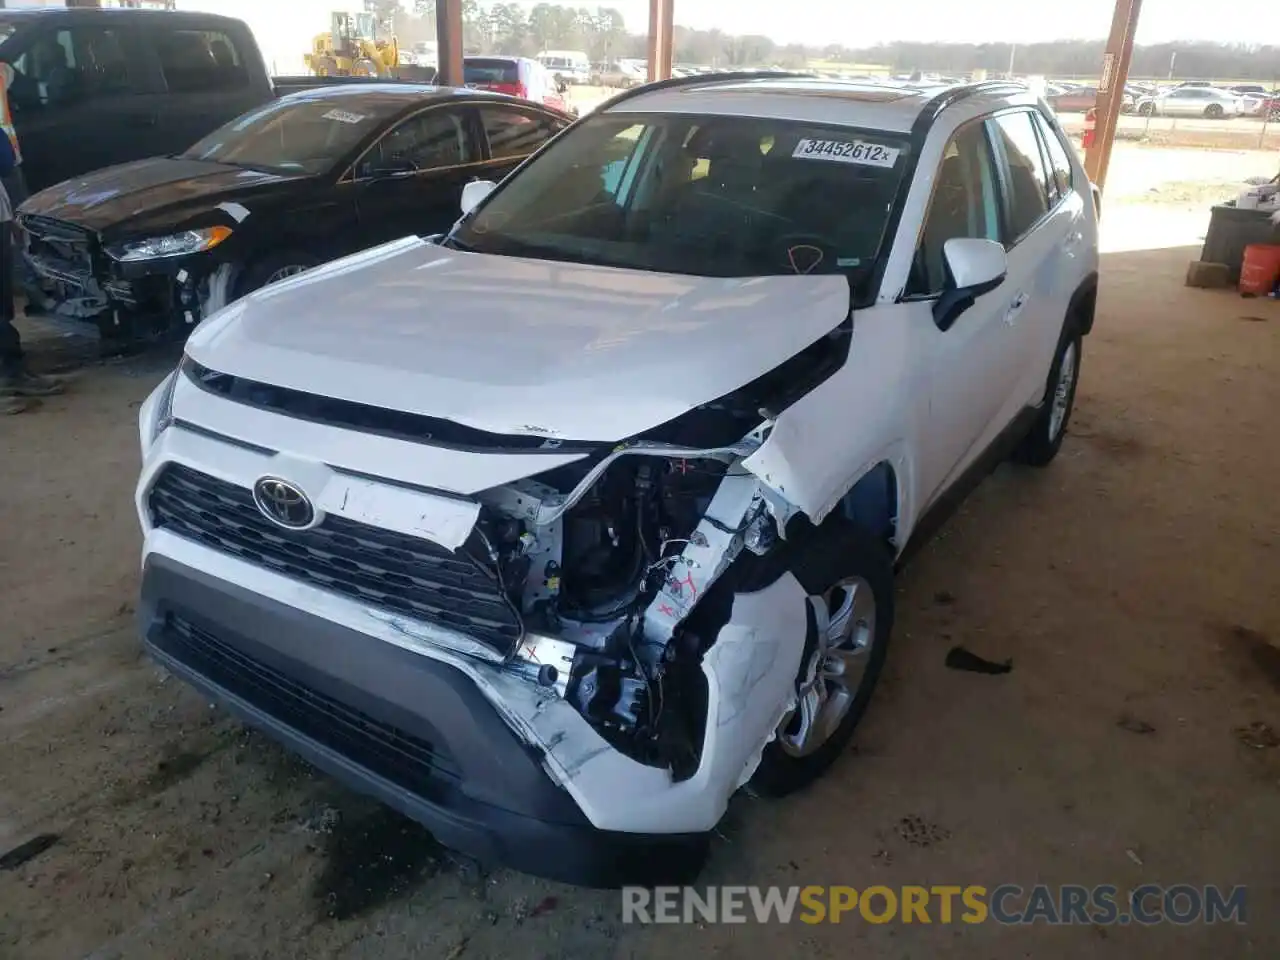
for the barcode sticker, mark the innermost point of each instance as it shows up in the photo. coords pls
(847, 151)
(342, 116)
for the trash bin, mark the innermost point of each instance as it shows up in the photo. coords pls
(1231, 230)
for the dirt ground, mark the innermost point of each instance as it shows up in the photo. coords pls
(1135, 586)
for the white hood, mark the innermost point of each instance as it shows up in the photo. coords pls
(516, 346)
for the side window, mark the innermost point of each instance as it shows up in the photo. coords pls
(513, 133)
(200, 61)
(1060, 176)
(432, 139)
(1025, 176)
(964, 204)
(66, 67)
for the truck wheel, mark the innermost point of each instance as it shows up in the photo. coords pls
(272, 269)
(850, 621)
(1044, 439)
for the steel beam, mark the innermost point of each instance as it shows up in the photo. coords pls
(1115, 73)
(449, 42)
(661, 30)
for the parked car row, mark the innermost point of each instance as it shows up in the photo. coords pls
(242, 184)
(147, 249)
(1190, 98)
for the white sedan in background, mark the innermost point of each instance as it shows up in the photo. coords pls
(1208, 102)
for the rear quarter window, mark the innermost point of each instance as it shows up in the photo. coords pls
(491, 71)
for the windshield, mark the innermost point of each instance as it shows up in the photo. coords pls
(708, 196)
(291, 136)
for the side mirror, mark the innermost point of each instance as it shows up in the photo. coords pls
(473, 194)
(974, 267)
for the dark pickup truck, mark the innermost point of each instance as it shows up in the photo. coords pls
(92, 88)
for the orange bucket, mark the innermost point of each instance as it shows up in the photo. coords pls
(1261, 268)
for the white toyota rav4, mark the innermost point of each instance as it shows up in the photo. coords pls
(555, 532)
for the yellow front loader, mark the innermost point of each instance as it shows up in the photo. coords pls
(352, 48)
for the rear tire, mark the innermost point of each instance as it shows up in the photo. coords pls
(1044, 439)
(852, 572)
(1147, 109)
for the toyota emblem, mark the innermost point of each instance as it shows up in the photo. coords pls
(283, 503)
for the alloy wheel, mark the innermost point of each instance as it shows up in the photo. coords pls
(1062, 391)
(846, 616)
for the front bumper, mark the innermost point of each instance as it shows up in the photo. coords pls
(410, 730)
(124, 301)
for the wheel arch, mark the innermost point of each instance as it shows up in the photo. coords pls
(1084, 304)
(873, 504)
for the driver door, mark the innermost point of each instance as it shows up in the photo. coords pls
(972, 367)
(410, 181)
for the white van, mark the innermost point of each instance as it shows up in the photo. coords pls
(571, 66)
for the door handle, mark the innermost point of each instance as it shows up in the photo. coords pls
(1015, 308)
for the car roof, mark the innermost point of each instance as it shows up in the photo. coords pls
(390, 94)
(892, 106)
(87, 13)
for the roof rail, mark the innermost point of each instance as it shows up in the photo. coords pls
(953, 95)
(704, 78)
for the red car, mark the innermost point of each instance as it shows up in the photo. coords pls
(517, 76)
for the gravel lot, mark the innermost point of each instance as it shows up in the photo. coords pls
(1135, 586)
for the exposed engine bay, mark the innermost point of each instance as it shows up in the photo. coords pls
(605, 560)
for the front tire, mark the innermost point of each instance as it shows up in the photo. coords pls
(272, 269)
(1044, 439)
(1214, 111)
(850, 623)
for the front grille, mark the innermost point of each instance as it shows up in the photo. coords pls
(384, 749)
(59, 250)
(404, 574)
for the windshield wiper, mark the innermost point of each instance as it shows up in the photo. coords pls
(452, 241)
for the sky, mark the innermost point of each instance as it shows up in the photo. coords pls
(284, 27)
(858, 23)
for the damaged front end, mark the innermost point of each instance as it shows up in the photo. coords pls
(610, 562)
(129, 302)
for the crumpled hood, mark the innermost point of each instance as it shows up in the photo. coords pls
(516, 346)
(145, 189)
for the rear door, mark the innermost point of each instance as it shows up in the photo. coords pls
(410, 181)
(1041, 230)
(82, 99)
(211, 74)
(512, 133)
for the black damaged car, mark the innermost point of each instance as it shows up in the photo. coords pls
(145, 250)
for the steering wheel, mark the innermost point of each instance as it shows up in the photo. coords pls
(804, 253)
